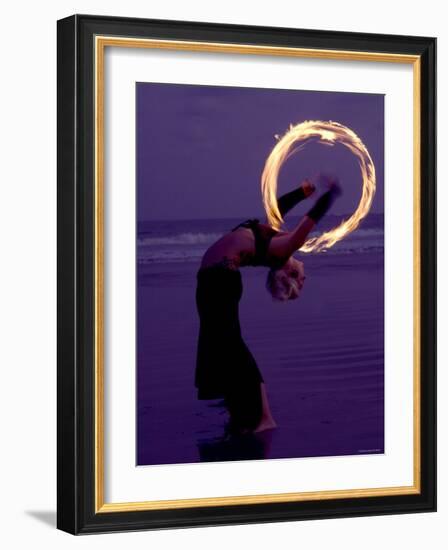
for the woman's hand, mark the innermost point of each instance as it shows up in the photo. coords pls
(308, 187)
(329, 182)
(335, 187)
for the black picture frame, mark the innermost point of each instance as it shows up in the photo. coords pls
(77, 504)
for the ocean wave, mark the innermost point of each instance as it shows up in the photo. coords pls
(207, 238)
(371, 232)
(166, 256)
(185, 246)
(181, 238)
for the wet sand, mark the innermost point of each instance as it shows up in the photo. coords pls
(322, 358)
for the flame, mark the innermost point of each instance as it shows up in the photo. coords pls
(328, 133)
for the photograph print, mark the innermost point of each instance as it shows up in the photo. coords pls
(260, 273)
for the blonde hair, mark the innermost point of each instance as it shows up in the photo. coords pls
(285, 283)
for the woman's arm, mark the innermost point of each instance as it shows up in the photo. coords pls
(285, 245)
(287, 201)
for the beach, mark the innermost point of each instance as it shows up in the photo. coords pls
(322, 355)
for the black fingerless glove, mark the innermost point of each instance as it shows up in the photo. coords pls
(286, 202)
(323, 204)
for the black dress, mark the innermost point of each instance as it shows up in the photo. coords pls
(225, 368)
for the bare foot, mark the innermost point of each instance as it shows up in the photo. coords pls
(266, 421)
(266, 424)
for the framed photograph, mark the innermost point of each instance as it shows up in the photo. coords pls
(246, 274)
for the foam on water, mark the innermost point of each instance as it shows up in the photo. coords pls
(187, 240)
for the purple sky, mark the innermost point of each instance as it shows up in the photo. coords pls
(201, 149)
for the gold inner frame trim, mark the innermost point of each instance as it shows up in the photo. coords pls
(101, 42)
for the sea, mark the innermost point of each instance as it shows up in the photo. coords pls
(321, 355)
(163, 241)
